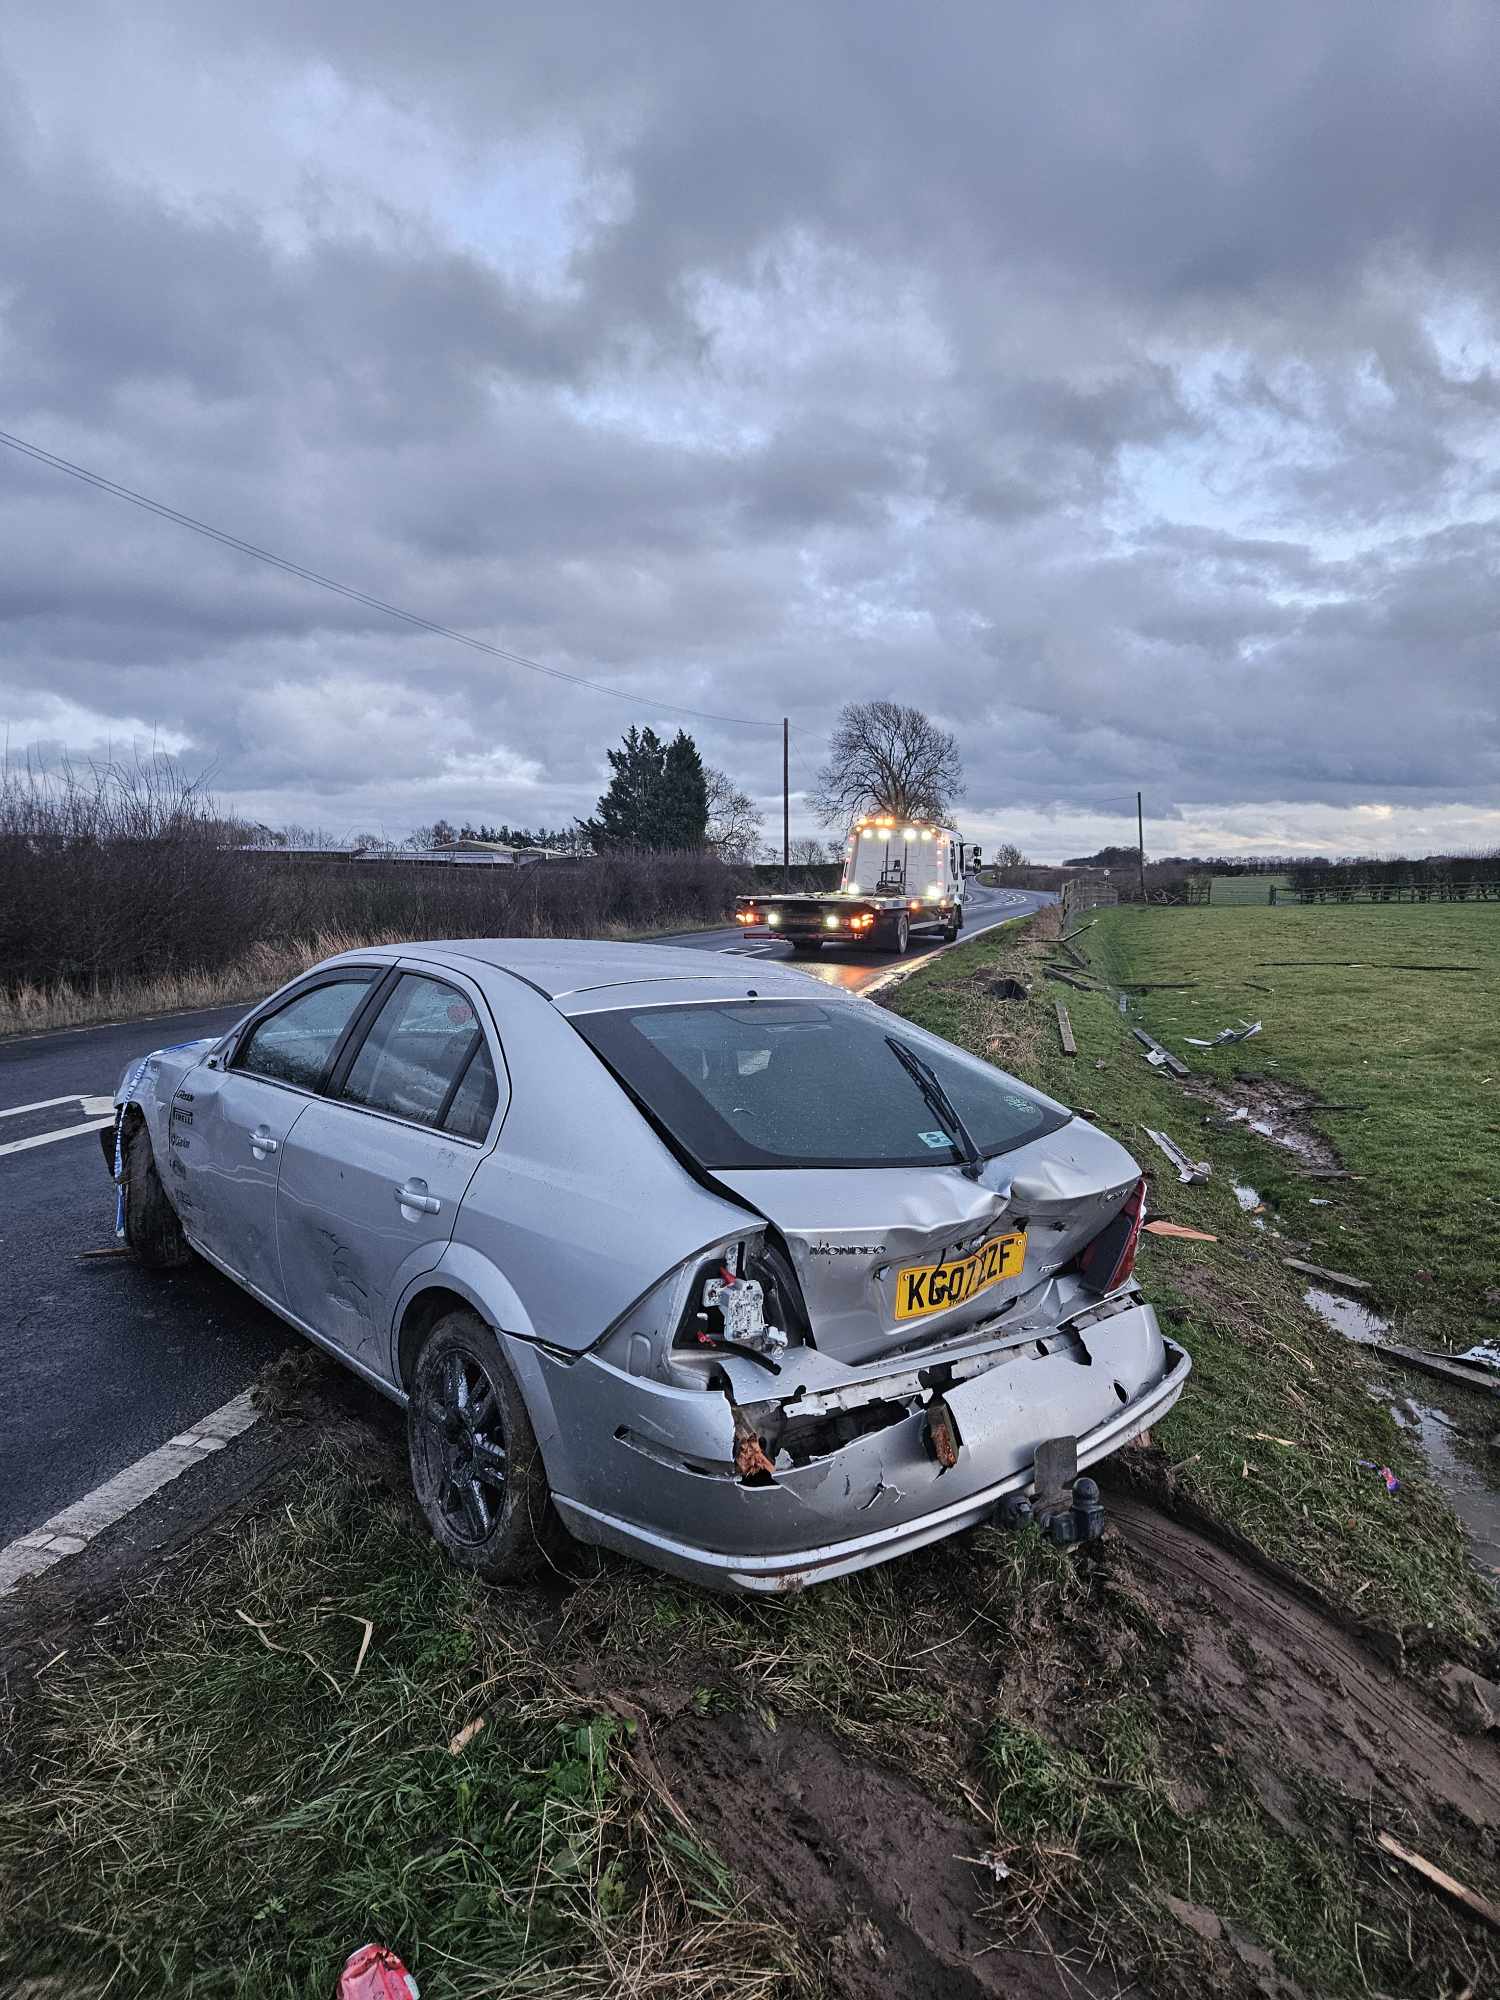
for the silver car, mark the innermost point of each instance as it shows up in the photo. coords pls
(705, 1261)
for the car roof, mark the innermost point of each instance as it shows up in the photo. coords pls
(563, 967)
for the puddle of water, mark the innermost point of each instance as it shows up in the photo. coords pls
(1476, 1503)
(1474, 1497)
(1347, 1316)
(1249, 1200)
(1269, 1119)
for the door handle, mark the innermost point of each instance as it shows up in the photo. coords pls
(413, 1194)
(262, 1143)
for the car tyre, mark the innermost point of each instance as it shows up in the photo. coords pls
(476, 1468)
(805, 946)
(152, 1228)
(898, 935)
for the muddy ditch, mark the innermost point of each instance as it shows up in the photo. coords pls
(901, 1886)
(1273, 1111)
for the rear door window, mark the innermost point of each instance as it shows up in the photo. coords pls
(418, 1055)
(297, 1042)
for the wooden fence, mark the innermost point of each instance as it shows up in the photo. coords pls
(1391, 892)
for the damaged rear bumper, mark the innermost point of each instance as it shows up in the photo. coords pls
(663, 1486)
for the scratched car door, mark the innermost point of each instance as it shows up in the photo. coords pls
(374, 1171)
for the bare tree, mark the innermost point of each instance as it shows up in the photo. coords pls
(733, 822)
(810, 852)
(1008, 855)
(887, 757)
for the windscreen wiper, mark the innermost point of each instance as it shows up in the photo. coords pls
(925, 1077)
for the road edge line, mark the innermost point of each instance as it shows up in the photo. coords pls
(72, 1529)
(898, 973)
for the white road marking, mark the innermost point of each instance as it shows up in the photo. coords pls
(94, 1106)
(904, 971)
(76, 1526)
(49, 1138)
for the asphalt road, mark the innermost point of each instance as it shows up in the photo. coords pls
(103, 1361)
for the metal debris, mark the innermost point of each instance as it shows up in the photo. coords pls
(1240, 1034)
(1189, 1172)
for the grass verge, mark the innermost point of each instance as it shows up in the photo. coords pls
(1280, 1411)
(237, 1791)
(36, 1010)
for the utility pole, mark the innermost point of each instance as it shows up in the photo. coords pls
(787, 803)
(1140, 839)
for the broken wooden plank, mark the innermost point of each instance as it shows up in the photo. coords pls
(1068, 979)
(1328, 1174)
(1157, 985)
(1469, 1899)
(1075, 956)
(1471, 1377)
(1065, 1030)
(1320, 1271)
(1068, 936)
(1161, 1058)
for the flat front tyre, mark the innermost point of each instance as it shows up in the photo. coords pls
(475, 1466)
(152, 1229)
(898, 937)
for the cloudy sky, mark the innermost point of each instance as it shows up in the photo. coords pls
(1120, 384)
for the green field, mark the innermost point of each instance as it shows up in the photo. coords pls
(1230, 891)
(1420, 1049)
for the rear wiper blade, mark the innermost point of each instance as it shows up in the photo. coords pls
(925, 1077)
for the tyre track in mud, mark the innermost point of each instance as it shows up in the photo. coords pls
(1309, 1697)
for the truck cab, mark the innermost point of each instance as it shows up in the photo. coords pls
(902, 877)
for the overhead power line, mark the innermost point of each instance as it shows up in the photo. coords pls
(228, 541)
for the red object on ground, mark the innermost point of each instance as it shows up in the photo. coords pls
(373, 1973)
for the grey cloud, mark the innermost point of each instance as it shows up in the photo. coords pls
(1090, 384)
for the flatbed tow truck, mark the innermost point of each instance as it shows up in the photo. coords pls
(902, 878)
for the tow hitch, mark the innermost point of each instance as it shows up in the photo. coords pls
(1064, 1506)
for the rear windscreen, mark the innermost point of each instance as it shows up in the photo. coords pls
(794, 1083)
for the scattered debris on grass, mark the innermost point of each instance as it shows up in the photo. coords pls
(465, 1736)
(373, 1973)
(1065, 1030)
(1179, 1229)
(1241, 1034)
(1331, 1277)
(1392, 1483)
(1481, 1906)
(1156, 1055)
(1445, 1366)
(1189, 1172)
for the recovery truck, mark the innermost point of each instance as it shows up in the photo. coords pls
(902, 878)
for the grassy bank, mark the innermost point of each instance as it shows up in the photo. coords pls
(1280, 1409)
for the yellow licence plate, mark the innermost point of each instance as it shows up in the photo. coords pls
(928, 1288)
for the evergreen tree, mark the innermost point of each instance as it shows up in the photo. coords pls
(682, 819)
(657, 796)
(626, 815)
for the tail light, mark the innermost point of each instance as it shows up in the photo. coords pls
(1109, 1260)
